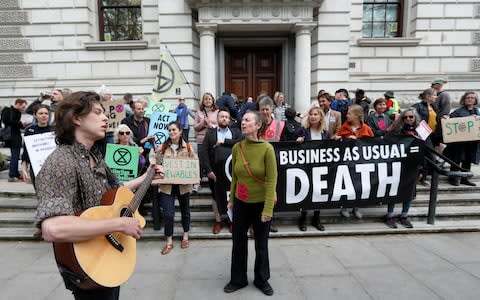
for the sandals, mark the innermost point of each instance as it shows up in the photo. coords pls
(167, 249)
(185, 244)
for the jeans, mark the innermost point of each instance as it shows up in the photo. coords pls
(15, 156)
(168, 205)
(185, 134)
(244, 215)
(405, 208)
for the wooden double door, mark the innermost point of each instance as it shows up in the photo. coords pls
(248, 71)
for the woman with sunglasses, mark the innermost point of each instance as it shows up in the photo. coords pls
(405, 125)
(123, 136)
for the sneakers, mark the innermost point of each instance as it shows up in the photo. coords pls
(356, 212)
(266, 288)
(14, 179)
(405, 222)
(390, 222)
(344, 213)
(230, 287)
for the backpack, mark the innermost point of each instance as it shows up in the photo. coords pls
(291, 127)
(342, 107)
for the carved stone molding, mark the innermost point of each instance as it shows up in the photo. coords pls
(256, 13)
(388, 42)
(206, 29)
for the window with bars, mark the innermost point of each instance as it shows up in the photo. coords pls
(382, 18)
(120, 20)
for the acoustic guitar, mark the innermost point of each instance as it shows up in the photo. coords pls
(104, 261)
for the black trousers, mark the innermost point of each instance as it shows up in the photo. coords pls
(244, 215)
(100, 294)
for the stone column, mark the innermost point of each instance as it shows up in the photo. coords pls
(303, 57)
(207, 58)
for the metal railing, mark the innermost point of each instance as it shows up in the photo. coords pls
(436, 171)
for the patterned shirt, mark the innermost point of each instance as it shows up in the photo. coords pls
(66, 184)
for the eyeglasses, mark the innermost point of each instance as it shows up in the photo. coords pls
(124, 132)
(408, 117)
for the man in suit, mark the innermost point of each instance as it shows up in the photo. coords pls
(333, 119)
(216, 148)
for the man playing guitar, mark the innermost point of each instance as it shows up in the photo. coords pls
(73, 179)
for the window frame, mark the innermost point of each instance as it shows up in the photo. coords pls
(101, 20)
(400, 13)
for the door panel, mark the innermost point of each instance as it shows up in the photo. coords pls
(251, 70)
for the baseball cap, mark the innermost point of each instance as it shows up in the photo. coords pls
(439, 81)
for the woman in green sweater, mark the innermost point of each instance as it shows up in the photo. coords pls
(252, 197)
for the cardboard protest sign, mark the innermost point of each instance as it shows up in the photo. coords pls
(159, 127)
(123, 161)
(39, 147)
(180, 171)
(461, 129)
(154, 106)
(115, 113)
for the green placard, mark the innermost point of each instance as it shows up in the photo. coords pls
(123, 160)
(156, 106)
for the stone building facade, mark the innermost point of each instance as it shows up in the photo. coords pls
(296, 46)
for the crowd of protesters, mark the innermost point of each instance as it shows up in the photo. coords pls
(333, 116)
(245, 128)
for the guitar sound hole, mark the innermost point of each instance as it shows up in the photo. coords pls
(125, 212)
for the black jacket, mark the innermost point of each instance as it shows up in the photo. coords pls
(209, 152)
(11, 117)
(135, 128)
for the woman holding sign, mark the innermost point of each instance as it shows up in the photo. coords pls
(252, 197)
(175, 147)
(405, 125)
(464, 153)
(41, 113)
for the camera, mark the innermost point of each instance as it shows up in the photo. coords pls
(46, 95)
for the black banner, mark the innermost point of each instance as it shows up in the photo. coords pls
(332, 174)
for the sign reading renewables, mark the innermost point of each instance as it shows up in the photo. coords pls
(123, 161)
(180, 171)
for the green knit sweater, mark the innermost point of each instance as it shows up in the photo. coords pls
(261, 158)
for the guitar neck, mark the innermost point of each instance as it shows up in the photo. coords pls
(143, 188)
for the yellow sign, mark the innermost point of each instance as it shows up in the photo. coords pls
(169, 77)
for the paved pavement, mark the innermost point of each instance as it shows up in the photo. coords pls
(428, 266)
